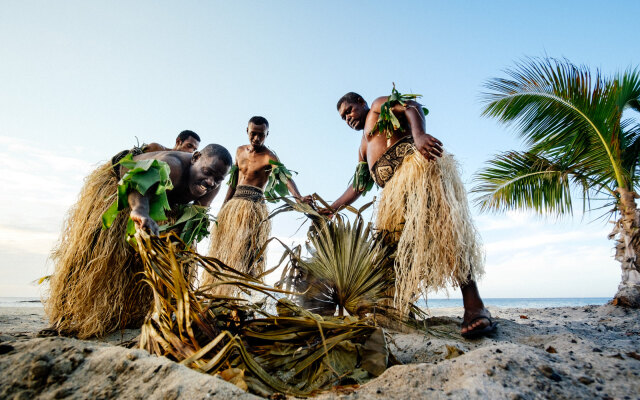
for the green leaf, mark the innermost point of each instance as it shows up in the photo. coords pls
(110, 215)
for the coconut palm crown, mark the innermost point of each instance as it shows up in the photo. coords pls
(577, 141)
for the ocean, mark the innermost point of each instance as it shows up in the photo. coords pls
(432, 303)
(522, 302)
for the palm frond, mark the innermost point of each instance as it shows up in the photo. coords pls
(294, 352)
(516, 180)
(552, 102)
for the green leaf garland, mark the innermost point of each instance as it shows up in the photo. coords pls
(388, 122)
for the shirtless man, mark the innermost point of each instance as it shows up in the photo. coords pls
(187, 141)
(243, 226)
(196, 178)
(410, 138)
(96, 268)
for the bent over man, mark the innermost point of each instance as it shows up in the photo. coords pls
(96, 286)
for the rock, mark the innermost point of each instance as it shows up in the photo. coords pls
(585, 380)
(633, 354)
(549, 373)
(551, 350)
(39, 370)
(5, 348)
(596, 350)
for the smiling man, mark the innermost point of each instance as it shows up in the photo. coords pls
(195, 177)
(243, 226)
(96, 287)
(423, 207)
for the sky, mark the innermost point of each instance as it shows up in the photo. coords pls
(80, 81)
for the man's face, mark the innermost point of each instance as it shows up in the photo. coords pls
(354, 114)
(189, 145)
(257, 134)
(206, 174)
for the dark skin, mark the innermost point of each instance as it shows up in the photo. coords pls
(189, 145)
(253, 163)
(360, 117)
(196, 178)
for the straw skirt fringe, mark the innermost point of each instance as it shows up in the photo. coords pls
(242, 230)
(96, 287)
(425, 208)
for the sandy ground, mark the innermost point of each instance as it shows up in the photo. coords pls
(553, 353)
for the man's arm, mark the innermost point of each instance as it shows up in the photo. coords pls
(427, 145)
(140, 204)
(350, 195)
(293, 189)
(140, 212)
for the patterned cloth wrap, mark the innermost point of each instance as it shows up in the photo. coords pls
(251, 193)
(388, 163)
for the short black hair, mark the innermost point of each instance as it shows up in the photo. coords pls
(186, 134)
(218, 151)
(351, 97)
(257, 120)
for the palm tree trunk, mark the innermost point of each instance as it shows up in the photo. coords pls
(627, 234)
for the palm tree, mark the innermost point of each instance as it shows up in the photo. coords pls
(578, 142)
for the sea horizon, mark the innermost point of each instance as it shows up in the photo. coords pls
(501, 302)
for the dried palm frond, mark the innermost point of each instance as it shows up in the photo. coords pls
(350, 268)
(296, 352)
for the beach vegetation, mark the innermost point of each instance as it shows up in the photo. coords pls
(581, 137)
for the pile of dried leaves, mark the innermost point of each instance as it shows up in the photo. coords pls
(294, 352)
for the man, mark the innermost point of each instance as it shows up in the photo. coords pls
(423, 206)
(187, 141)
(243, 226)
(96, 287)
(196, 178)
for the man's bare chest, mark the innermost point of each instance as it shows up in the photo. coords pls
(256, 165)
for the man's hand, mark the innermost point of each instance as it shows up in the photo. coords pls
(145, 222)
(305, 199)
(327, 212)
(428, 146)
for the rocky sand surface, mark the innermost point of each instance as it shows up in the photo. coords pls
(554, 353)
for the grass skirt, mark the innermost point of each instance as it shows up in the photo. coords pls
(242, 230)
(425, 208)
(95, 288)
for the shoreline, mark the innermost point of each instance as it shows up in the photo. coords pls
(554, 352)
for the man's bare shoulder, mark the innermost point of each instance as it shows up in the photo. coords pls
(170, 157)
(378, 102)
(153, 147)
(272, 155)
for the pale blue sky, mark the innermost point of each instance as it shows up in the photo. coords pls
(80, 79)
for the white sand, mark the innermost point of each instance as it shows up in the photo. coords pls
(555, 353)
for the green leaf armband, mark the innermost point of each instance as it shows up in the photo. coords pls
(141, 176)
(387, 121)
(233, 176)
(362, 181)
(277, 183)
